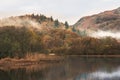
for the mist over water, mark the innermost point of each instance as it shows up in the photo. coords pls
(102, 34)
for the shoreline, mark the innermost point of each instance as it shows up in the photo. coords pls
(98, 56)
(12, 63)
(31, 60)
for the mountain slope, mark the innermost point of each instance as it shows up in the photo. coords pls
(108, 20)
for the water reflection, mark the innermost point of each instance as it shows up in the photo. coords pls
(73, 68)
(21, 74)
(4, 75)
(100, 75)
(104, 74)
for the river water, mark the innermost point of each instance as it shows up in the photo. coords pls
(72, 68)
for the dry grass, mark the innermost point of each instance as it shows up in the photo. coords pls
(29, 60)
(38, 57)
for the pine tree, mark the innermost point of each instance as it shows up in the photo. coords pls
(56, 23)
(66, 25)
(51, 18)
(73, 29)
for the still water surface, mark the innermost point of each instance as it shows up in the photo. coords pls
(73, 68)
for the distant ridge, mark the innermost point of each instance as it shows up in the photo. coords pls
(108, 20)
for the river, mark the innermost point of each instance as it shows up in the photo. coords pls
(72, 68)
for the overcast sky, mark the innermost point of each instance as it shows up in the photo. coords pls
(64, 10)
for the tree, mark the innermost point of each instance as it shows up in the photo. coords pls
(66, 25)
(56, 23)
(51, 18)
(42, 17)
(73, 29)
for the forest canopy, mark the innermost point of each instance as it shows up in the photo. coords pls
(19, 41)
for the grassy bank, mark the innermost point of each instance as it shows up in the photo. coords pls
(30, 60)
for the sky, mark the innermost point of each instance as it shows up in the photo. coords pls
(63, 10)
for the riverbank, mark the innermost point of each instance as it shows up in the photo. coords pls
(34, 60)
(98, 56)
(42, 60)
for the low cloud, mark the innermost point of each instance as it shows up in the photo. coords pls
(102, 34)
(19, 22)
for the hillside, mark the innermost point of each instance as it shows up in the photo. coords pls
(108, 20)
(35, 34)
(40, 22)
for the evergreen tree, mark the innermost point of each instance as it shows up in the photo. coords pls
(56, 23)
(73, 29)
(51, 18)
(66, 25)
(42, 17)
(78, 32)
